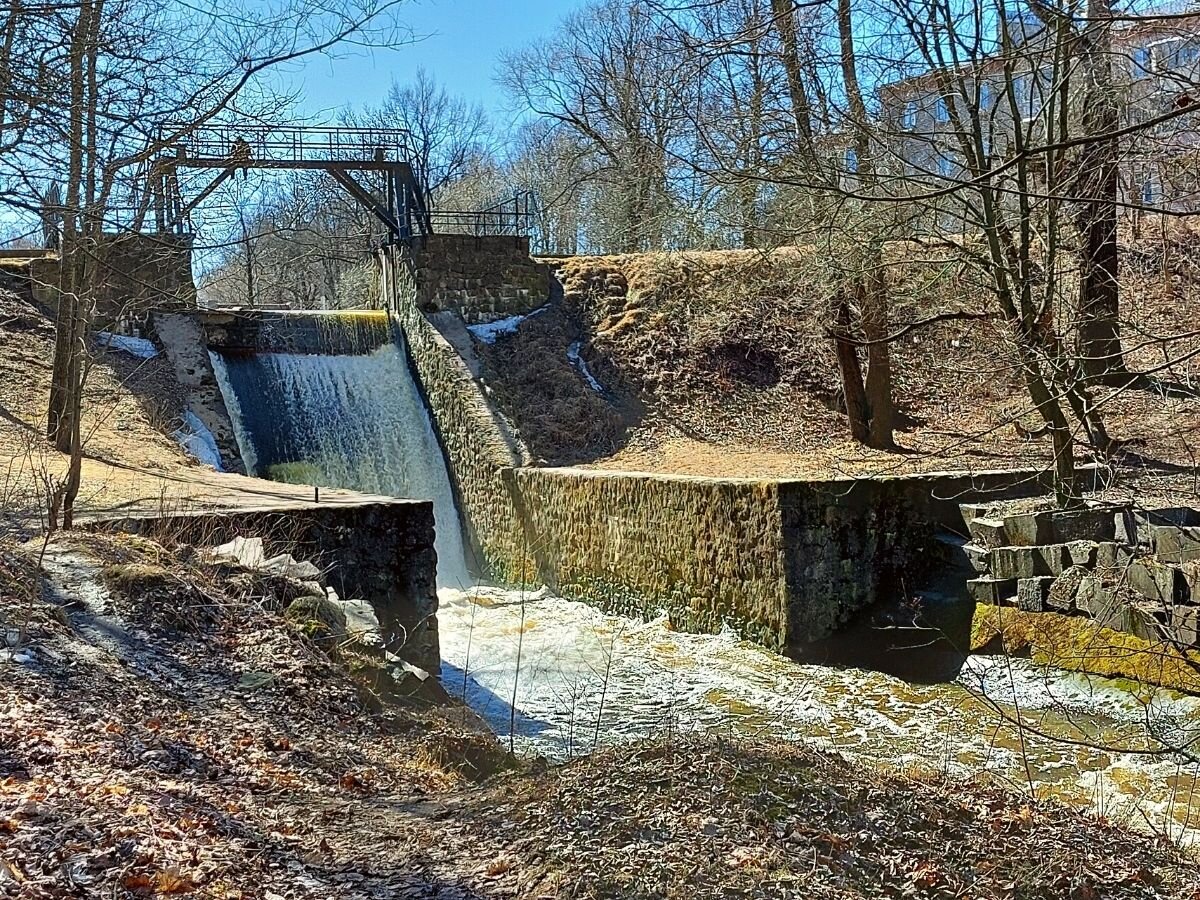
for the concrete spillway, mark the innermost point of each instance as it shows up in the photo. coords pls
(350, 418)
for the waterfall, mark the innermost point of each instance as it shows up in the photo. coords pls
(343, 420)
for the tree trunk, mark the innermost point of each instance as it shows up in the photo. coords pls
(879, 355)
(1096, 216)
(65, 372)
(851, 371)
(872, 286)
(784, 14)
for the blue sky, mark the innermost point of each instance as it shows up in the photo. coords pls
(460, 43)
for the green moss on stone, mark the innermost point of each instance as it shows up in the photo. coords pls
(1080, 645)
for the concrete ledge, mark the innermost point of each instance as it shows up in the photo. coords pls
(380, 551)
(345, 332)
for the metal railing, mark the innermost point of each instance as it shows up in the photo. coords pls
(513, 216)
(290, 143)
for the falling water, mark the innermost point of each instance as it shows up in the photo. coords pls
(344, 420)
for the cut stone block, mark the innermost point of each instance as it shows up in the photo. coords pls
(1184, 625)
(972, 511)
(1061, 597)
(1126, 528)
(1032, 593)
(1110, 555)
(978, 557)
(1081, 553)
(1095, 599)
(1191, 577)
(1060, 526)
(1084, 525)
(1141, 621)
(1175, 544)
(1155, 581)
(993, 591)
(1028, 529)
(1017, 562)
(987, 532)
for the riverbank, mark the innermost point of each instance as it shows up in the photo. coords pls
(199, 745)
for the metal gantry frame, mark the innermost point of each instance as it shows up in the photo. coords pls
(342, 152)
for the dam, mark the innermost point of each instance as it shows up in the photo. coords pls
(579, 608)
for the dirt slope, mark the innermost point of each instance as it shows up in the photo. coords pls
(720, 363)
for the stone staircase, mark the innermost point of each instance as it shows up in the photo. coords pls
(1131, 570)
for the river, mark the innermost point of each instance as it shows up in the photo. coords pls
(557, 678)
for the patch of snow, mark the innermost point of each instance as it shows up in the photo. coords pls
(581, 365)
(489, 331)
(20, 657)
(134, 346)
(198, 441)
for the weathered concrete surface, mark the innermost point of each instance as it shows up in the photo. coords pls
(294, 331)
(185, 345)
(376, 550)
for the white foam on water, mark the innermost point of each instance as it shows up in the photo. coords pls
(586, 678)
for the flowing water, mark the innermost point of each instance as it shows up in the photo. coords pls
(559, 678)
(585, 678)
(343, 420)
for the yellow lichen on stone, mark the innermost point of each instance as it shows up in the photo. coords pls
(1080, 645)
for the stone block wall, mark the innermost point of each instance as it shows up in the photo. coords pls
(1130, 570)
(378, 551)
(708, 552)
(483, 278)
(479, 445)
(134, 274)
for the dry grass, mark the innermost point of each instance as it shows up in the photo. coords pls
(720, 363)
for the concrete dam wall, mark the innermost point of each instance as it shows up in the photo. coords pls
(391, 403)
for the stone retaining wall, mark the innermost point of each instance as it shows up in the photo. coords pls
(483, 277)
(478, 443)
(378, 551)
(783, 562)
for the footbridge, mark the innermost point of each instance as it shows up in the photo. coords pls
(370, 164)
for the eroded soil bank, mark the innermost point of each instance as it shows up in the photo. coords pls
(189, 741)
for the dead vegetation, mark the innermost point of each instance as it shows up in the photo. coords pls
(234, 758)
(721, 364)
